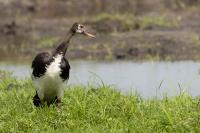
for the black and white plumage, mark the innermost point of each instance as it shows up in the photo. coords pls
(50, 71)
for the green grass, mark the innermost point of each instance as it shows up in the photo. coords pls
(129, 22)
(95, 109)
(47, 42)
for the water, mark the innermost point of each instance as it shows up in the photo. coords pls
(147, 78)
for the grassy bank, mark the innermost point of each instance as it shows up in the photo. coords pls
(90, 109)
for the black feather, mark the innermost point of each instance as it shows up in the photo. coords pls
(65, 67)
(39, 64)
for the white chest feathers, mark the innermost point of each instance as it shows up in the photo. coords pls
(50, 84)
(53, 69)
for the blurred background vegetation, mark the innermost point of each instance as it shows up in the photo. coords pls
(125, 29)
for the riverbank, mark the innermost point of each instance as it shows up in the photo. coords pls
(95, 109)
(164, 30)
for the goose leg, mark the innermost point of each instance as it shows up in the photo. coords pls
(36, 100)
(58, 103)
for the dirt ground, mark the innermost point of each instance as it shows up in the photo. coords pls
(128, 29)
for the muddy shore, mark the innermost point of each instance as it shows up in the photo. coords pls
(145, 33)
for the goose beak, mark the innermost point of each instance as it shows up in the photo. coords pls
(88, 34)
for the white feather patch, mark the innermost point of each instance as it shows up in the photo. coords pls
(50, 84)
